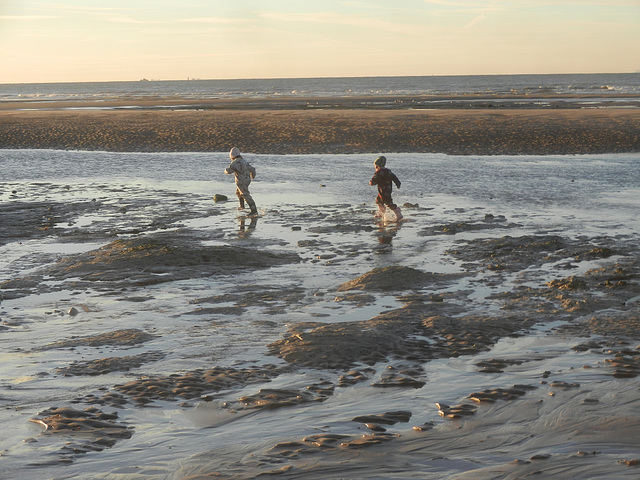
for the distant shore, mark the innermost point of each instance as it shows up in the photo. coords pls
(463, 125)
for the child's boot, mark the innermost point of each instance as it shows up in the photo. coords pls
(252, 205)
(398, 213)
(241, 200)
(381, 211)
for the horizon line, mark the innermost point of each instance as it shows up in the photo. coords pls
(195, 79)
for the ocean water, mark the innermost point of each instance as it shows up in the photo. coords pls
(560, 85)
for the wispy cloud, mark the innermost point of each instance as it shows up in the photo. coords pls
(335, 19)
(130, 20)
(79, 7)
(476, 20)
(509, 4)
(450, 3)
(59, 9)
(484, 11)
(216, 20)
(27, 17)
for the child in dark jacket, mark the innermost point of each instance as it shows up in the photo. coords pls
(384, 179)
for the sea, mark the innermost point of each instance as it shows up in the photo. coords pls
(605, 84)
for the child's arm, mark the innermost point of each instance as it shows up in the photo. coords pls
(231, 168)
(395, 180)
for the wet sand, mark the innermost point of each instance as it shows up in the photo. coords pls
(451, 125)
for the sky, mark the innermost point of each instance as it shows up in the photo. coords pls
(110, 40)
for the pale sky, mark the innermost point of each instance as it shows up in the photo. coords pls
(105, 40)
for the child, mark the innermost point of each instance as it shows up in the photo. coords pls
(244, 173)
(384, 179)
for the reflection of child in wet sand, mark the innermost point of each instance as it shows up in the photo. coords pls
(244, 173)
(384, 179)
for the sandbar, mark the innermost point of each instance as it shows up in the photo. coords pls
(449, 125)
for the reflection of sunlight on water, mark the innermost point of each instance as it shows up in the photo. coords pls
(275, 198)
(20, 380)
(338, 310)
(626, 197)
(67, 248)
(85, 220)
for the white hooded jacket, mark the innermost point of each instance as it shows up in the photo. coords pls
(242, 169)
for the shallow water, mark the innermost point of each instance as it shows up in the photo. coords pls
(319, 207)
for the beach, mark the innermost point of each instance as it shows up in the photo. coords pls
(460, 125)
(150, 331)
